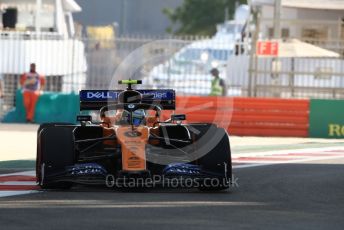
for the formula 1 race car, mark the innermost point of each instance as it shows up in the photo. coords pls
(129, 146)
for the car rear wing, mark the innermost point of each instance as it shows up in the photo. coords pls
(96, 99)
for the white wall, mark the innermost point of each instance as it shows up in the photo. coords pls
(320, 16)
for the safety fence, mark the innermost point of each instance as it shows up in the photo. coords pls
(180, 63)
(184, 63)
(297, 77)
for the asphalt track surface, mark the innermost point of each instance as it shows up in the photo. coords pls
(307, 195)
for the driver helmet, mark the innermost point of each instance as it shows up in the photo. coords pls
(132, 96)
(138, 116)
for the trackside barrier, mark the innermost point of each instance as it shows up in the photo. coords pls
(51, 107)
(241, 116)
(270, 117)
(326, 118)
(249, 116)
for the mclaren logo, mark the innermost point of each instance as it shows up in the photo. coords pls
(99, 95)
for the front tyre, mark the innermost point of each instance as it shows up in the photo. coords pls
(55, 151)
(218, 162)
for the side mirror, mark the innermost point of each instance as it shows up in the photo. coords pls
(178, 117)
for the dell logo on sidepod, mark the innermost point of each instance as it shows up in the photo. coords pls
(99, 95)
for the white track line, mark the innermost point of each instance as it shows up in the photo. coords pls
(18, 183)
(16, 193)
(24, 173)
(274, 152)
(250, 164)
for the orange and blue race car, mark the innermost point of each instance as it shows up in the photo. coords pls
(129, 146)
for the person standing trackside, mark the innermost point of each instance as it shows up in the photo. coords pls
(218, 86)
(32, 84)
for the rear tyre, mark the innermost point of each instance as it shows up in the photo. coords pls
(55, 151)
